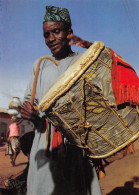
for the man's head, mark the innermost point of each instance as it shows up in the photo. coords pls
(56, 27)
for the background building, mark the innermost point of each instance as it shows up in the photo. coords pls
(5, 120)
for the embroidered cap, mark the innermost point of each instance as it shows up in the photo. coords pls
(57, 14)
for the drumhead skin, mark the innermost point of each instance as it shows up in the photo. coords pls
(81, 105)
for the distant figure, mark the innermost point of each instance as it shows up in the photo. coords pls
(13, 141)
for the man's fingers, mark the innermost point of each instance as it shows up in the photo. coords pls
(27, 111)
(70, 36)
(27, 107)
(79, 43)
(71, 43)
(75, 40)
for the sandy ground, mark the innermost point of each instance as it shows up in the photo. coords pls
(122, 173)
(6, 170)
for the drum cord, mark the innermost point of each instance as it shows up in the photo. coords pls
(36, 76)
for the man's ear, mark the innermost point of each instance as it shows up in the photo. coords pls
(70, 31)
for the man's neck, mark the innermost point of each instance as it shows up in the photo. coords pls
(63, 54)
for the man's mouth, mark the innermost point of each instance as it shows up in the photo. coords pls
(53, 47)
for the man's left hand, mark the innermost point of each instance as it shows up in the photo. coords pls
(75, 40)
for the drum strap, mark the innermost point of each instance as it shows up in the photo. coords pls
(36, 75)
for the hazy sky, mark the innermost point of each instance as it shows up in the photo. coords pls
(115, 22)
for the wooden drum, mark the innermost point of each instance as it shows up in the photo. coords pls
(82, 106)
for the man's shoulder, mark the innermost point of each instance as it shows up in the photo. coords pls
(77, 54)
(41, 60)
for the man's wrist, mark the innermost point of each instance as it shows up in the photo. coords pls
(38, 121)
(89, 44)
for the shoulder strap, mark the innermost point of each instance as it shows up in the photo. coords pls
(36, 76)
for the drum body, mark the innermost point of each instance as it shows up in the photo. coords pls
(87, 114)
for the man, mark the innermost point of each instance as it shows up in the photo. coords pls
(56, 168)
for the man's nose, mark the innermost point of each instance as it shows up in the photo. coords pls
(51, 37)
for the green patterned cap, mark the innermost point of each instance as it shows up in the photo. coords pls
(57, 14)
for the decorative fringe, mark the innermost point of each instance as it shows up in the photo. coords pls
(56, 140)
(56, 137)
(125, 82)
(129, 94)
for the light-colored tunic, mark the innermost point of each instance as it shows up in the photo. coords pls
(50, 175)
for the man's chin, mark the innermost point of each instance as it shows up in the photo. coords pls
(60, 53)
(56, 53)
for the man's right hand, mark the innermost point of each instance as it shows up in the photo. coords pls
(28, 111)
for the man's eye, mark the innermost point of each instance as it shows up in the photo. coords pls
(46, 35)
(56, 31)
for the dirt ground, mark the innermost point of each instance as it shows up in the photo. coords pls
(6, 170)
(122, 173)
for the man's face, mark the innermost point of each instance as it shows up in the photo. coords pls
(55, 37)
